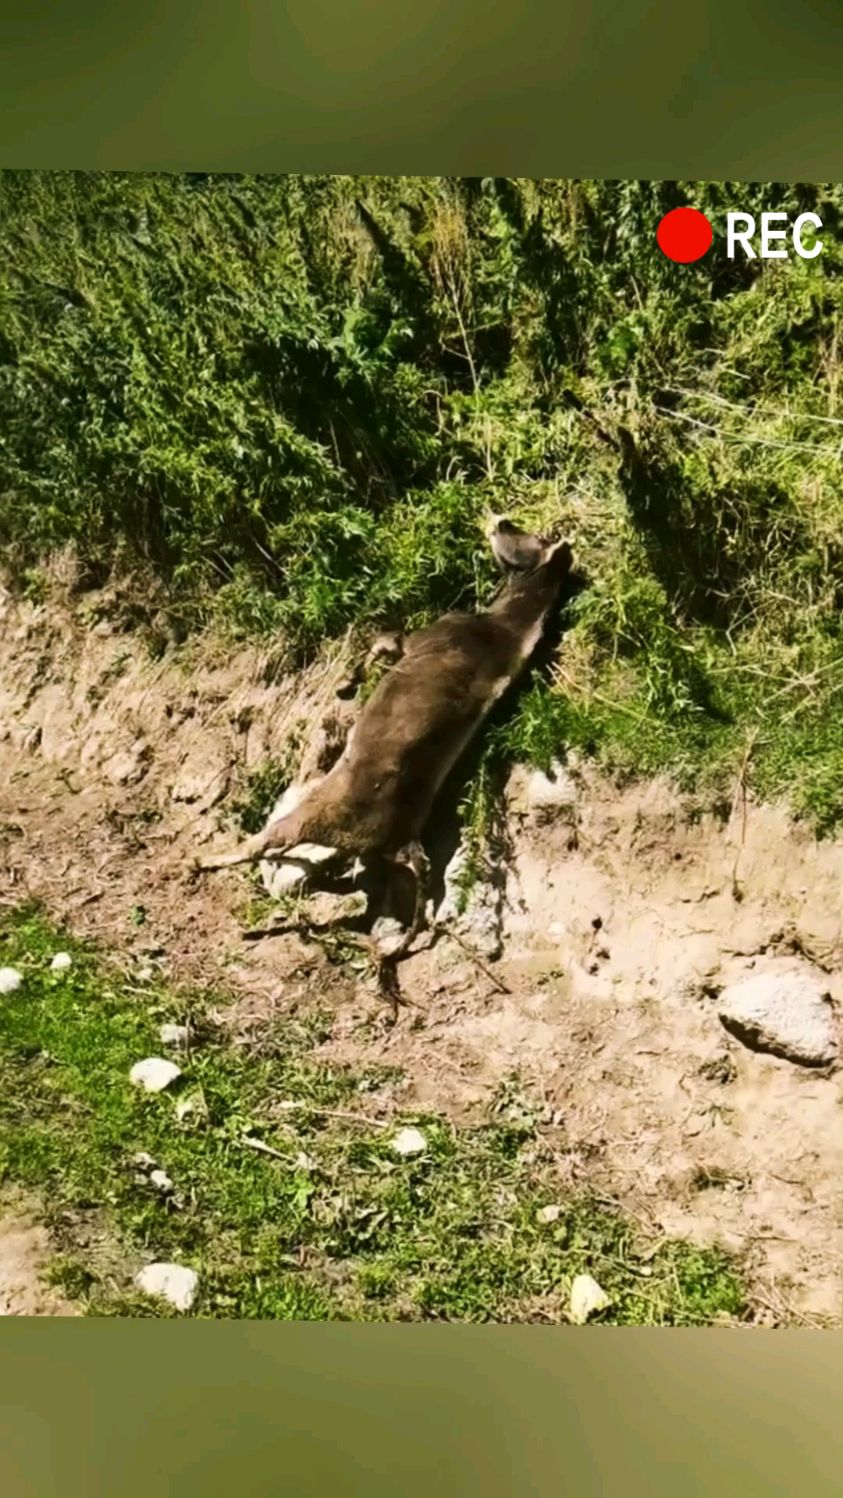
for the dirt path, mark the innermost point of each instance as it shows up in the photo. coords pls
(624, 914)
(25, 1253)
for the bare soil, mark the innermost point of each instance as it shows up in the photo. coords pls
(625, 909)
(25, 1254)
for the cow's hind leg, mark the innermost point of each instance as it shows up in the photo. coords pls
(414, 858)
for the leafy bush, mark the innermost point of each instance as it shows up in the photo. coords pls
(296, 398)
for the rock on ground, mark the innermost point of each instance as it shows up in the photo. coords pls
(203, 777)
(128, 766)
(543, 797)
(154, 1074)
(587, 1298)
(409, 1142)
(171, 1282)
(480, 921)
(177, 1035)
(788, 1014)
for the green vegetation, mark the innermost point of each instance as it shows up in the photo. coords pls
(334, 1224)
(263, 787)
(294, 400)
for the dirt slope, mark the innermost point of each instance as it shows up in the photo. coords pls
(624, 913)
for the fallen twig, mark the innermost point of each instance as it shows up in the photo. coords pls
(740, 794)
(359, 1118)
(262, 1149)
(481, 966)
(724, 435)
(758, 410)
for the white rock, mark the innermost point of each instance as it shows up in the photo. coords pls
(170, 1282)
(409, 1142)
(145, 974)
(787, 1013)
(203, 777)
(554, 793)
(10, 980)
(174, 1034)
(548, 1214)
(478, 915)
(154, 1074)
(305, 1162)
(143, 1161)
(586, 1299)
(127, 767)
(161, 1181)
(61, 962)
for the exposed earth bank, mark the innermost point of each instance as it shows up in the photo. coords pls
(608, 973)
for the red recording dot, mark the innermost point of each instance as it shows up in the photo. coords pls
(684, 234)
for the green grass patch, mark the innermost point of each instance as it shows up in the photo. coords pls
(352, 1232)
(263, 787)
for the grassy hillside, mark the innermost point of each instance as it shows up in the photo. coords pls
(294, 400)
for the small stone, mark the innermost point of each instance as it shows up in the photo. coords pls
(143, 1161)
(145, 974)
(335, 908)
(161, 1181)
(551, 1213)
(305, 1162)
(475, 911)
(587, 1298)
(177, 1035)
(154, 1074)
(553, 794)
(202, 779)
(171, 1282)
(129, 766)
(409, 1142)
(61, 962)
(788, 1014)
(10, 980)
